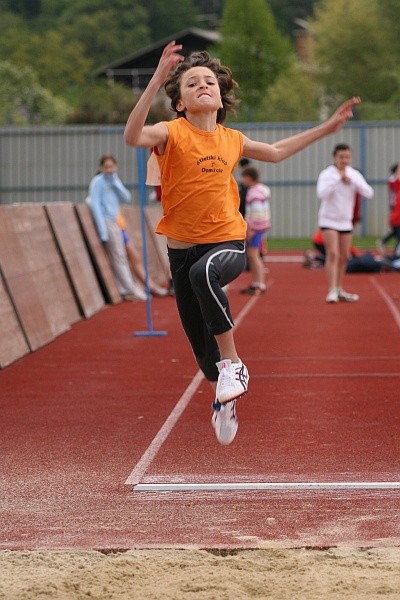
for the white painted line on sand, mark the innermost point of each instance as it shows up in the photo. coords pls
(154, 447)
(260, 486)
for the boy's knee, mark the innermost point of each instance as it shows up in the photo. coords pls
(197, 276)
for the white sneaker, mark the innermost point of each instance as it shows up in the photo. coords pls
(232, 382)
(347, 297)
(140, 292)
(158, 290)
(333, 296)
(138, 295)
(224, 421)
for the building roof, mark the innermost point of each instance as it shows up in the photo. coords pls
(135, 70)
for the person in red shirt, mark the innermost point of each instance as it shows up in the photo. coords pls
(394, 214)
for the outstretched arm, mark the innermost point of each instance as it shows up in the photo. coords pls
(287, 147)
(136, 133)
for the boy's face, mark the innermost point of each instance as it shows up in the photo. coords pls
(199, 91)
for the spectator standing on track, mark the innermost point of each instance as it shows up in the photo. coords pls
(205, 231)
(106, 190)
(337, 187)
(394, 211)
(258, 219)
(243, 163)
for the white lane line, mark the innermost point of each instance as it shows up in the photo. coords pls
(256, 486)
(319, 358)
(323, 375)
(284, 259)
(154, 447)
(164, 432)
(390, 304)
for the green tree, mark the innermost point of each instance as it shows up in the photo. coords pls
(58, 62)
(286, 12)
(166, 18)
(29, 9)
(50, 14)
(210, 12)
(295, 96)
(103, 102)
(105, 30)
(352, 50)
(106, 102)
(253, 48)
(24, 101)
(389, 11)
(102, 37)
(14, 32)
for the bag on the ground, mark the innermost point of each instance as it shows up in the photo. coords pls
(366, 263)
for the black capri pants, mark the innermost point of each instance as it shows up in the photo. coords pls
(199, 273)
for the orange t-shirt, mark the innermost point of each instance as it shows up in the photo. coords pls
(200, 196)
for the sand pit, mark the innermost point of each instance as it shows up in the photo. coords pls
(171, 574)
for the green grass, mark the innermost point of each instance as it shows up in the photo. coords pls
(364, 243)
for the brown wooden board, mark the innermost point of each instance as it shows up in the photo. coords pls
(22, 286)
(98, 255)
(13, 344)
(132, 217)
(34, 274)
(68, 234)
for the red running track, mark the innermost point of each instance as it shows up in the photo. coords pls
(100, 410)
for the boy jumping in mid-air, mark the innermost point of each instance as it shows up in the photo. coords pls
(205, 231)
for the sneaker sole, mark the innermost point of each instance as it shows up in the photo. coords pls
(222, 403)
(223, 440)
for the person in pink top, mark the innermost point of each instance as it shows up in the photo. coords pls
(205, 232)
(258, 219)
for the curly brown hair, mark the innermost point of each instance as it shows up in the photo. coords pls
(224, 77)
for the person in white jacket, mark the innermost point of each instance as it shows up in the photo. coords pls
(337, 187)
